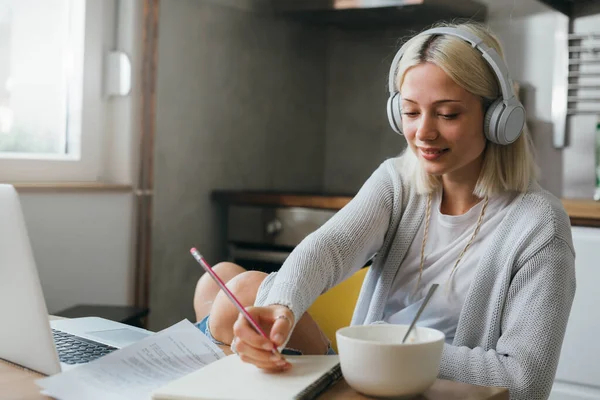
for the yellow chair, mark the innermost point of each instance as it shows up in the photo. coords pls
(333, 310)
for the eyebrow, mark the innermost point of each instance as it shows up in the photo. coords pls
(436, 102)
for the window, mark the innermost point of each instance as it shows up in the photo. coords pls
(41, 77)
(55, 119)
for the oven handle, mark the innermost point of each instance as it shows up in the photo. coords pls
(258, 255)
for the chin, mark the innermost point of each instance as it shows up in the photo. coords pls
(434, 173)
(434, 170)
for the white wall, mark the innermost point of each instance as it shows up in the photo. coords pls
(82, 243)
(529, 51)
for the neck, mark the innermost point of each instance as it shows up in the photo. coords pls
(458, 187)
(457, 198)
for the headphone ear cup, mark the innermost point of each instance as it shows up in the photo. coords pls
(503, 124)
(395, 113)
(511, 123)
(490, 122)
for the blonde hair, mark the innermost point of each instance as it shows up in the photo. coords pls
(505, 167)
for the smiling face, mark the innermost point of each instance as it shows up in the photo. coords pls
(443, 124)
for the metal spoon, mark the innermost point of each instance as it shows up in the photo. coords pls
(414, 321)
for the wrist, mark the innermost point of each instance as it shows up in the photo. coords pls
(287, 313)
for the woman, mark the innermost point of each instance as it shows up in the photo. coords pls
(461, 207)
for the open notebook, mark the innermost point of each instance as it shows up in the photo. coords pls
(231, 379)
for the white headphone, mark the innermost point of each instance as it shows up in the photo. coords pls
(504, 118)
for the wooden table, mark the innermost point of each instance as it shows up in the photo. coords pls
(17, 383)
(441, 390)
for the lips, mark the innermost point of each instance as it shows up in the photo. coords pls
(432, 153)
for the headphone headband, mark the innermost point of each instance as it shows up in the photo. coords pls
(489, 54)
(504, 117)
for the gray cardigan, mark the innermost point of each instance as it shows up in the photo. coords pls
(512, 324)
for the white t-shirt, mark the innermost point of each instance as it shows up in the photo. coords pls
(448, 235)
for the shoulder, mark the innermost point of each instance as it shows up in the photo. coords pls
(400, 194)
(385, 188)
(386, 178)
(548, 210)
(393, 169)
(540, 215)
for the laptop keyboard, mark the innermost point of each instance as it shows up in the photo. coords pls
(77, 350)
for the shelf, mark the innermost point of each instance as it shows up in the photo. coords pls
(574, 8)
(581, 212)
(276, 199)
(563, 6)
(67, 187)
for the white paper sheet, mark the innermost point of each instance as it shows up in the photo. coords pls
(136, 370)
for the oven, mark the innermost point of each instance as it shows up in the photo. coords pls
(261, 238)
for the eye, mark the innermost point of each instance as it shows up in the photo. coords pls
(410, 114)
(449, 116)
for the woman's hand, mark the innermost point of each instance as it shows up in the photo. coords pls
(277, 321)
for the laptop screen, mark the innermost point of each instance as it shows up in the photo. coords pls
(25, 337)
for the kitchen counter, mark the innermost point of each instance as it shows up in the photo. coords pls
(581, 212)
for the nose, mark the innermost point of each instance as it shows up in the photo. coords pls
(427, 128)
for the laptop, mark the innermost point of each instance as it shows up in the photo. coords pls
(27, 337)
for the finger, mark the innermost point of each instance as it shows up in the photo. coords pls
(281, 328)
(275, 360)
(242, 329)
(268, 366)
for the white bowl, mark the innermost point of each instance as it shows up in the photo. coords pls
(375, 362)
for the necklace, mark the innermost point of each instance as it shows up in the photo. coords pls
(462, 253)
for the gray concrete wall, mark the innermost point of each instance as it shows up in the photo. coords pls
(240, 105)
(358, 136)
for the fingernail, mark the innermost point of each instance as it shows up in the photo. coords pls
(281, 363)
(268, 346)
(278, 338)
(276, 357)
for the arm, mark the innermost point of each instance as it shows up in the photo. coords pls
(533, 324)
(337, 249)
